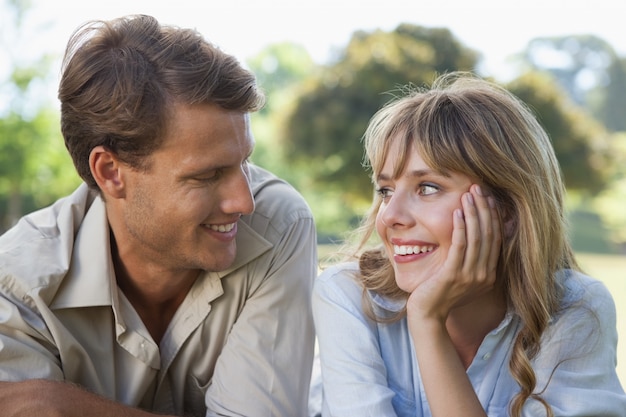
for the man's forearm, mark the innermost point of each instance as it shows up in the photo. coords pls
(45, 398)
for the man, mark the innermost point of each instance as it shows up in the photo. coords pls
(177, 279)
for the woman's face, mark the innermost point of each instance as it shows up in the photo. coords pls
(414, 220)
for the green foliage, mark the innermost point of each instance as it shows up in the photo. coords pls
(311, 127)
(322, 135)
(611, 106)
(589, 233)
(35, 168)
(280, 66)
(589, 70)
(611, 202)
(580, 143)
(610, 270)
(280, 70)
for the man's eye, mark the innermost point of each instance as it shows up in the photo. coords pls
(209, 178)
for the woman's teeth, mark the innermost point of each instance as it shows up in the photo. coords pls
(410, 250)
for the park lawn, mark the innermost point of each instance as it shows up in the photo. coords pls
(611, 269)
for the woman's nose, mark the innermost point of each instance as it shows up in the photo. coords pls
(397, 211)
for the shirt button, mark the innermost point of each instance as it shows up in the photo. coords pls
(486, 356)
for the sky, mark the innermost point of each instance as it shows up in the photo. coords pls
(497, 29)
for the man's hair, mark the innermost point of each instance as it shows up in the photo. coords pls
(121, 78)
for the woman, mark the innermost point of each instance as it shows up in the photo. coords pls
(472, 303)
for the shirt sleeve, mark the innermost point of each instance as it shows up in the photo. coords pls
(32, 256)
(576, 365)
(354, 376)
(265, 366)
(27, 349)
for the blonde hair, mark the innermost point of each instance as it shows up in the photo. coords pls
(468, 125)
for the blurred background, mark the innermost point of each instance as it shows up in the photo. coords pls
(327, 67)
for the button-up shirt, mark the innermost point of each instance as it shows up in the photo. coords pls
(241, 343)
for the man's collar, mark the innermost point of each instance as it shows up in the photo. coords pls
(250, 245)
(90, 279)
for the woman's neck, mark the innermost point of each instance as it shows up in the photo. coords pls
(468, 325)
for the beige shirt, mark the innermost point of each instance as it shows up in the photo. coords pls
(241, 343)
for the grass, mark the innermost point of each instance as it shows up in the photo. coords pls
(610, 269)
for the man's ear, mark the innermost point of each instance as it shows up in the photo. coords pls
(107, 170)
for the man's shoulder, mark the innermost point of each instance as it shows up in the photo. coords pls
(276, 199)
(36, 252)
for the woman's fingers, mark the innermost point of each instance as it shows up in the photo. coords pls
(473, 232)
(483, 235)
(496, 241)
(456, 254)
(470, 267)
(486, 227)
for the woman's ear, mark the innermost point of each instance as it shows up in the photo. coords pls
(507, 213)
(508, 225)
(509, 220)
(107, 171)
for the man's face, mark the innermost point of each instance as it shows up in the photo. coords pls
(182, 212)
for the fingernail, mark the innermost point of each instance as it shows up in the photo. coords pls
(491, 201)
(470, 198)
(479, 190)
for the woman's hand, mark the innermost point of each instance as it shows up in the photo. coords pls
(468, 272)
(470, 268)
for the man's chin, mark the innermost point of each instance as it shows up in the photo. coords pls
(219, 261)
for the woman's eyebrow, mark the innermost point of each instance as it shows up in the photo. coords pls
(418, 173)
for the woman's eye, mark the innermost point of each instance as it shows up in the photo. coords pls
(384, 192)
(428, 189)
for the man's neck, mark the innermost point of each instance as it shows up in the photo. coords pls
(154, 293)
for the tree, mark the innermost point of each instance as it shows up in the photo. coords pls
(322, 136)
(610, 105)
(580, 143)
(280, 69)
(588, 69)
(610, 202)
(34, 166)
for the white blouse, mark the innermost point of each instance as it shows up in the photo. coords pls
(370, 368)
